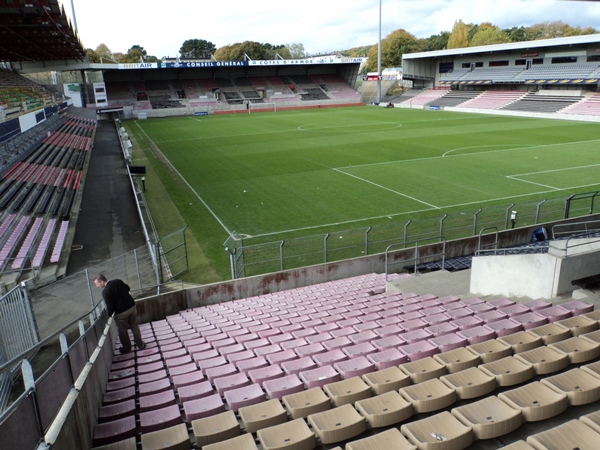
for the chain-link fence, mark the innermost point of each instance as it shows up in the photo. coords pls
(248, 259)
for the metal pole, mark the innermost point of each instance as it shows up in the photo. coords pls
(379, 59)
(87, 276)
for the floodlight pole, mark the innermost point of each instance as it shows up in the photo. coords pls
(74, 18)
(379, 58)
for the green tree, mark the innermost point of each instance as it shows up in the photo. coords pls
(518, 34)
(92, 56)
(296, 50)
(458, 37)
(136, 54)
(393, 47)
(223, 53)
(105, 54)
(197, 48)
(488, 35)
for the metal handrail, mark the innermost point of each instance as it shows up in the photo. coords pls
(417, 257)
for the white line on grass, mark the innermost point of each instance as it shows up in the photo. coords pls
(532, 182)
(185, 181)
(387, 189)
(467, 154)
(351, 125)
(516, 176)
(345, 222)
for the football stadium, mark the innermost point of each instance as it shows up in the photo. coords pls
(319, 257)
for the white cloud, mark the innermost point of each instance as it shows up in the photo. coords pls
(321, 25)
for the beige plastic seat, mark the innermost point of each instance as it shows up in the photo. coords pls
(571, 435)
(423, 369)
(347, 391)
(430, 395)
(491, 350)
(470, 383)
(579, 349)
(593, 336)
(544, 359)
(458, 359)
(337, 424)
(579, 325)
(551, 332)
(508, 371)
(386, 440)
(581, 387)
(389, 379)
(536, 401)
(441, 431)
(242, 442)
(172, 438)
(302, 404)
(519, 445)
(217, 428)
(489, 417)
(262, 415)
(522, 341)
(592, 368)
(293, 435)
(592, 420)
(385, 409)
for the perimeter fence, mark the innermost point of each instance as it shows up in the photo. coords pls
(248, 258)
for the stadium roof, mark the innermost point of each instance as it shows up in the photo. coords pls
(37, 30)
(519, 46)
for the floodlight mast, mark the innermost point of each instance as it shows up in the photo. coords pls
(379, 58)
(74, 18)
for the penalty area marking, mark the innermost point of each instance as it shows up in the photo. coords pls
(516, 177)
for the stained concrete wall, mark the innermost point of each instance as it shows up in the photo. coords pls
(537, 275)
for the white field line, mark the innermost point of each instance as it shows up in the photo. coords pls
(185, 181)
(387, 189)
(516, 176)
(389, 216)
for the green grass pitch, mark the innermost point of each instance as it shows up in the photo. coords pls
(273, 176)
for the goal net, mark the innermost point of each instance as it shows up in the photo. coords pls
(262, 107)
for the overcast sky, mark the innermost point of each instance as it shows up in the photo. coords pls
(320, 25)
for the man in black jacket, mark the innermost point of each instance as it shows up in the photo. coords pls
(118, 301)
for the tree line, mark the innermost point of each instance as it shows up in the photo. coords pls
(393, 46)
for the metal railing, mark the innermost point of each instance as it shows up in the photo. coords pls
(417, 259)
(249, 257)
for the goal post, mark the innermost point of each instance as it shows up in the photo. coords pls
(262, 107)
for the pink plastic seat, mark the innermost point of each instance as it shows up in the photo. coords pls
(294, 343)
(514, 310)
(491, 316)
(388, 342)
(361, 349)
(555, 313)
(458, 313)
(481, 307)
(419, 350)
(298, 365)
(205, 364)
(578, 307)
(309, 350)
(414, 324)
(355, 367)
(203, 407)
(252, 363)
(114, 431)
(226, 383)
(387, 358)
(342, 332)
(414, 336)
(505, 327)
(337, 343)
(116, 411)
(234, 358)
(330, 357)
(388, 330)
(195, 391)
(441, 329)
(283, 337)
(159, 419)
(120, 384)
(389, 320)
(154, 387)
(187, 378)
(152, 376)
(281, 356)
(537, 304)
(319, 376)
(267, 350)
(244, 396)
(365, 336)
(467, 322)
(183, 369)
(118, 396)
(477, 334)
(259, 376)
(279, 387)
(501, 303)
(365, 326)
(449, 342)
(160, 400)
(530, 320)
